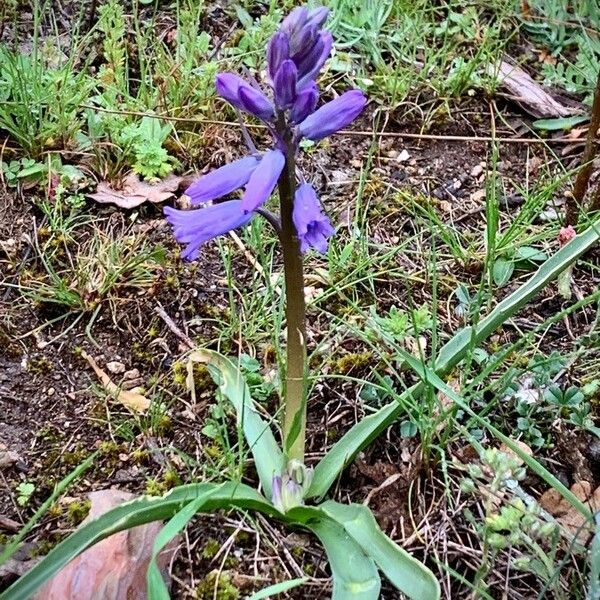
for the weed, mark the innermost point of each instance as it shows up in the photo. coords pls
(25, 490)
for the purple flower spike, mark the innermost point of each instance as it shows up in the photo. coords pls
(285, 84)
(263, 180)
(333, 116)
(256, 103)
(278, 50)
(223, 181)
(312, 225)
(309, 67)
(195, 227)
(305, 104)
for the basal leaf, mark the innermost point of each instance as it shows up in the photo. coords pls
(267, 454)
(408, 574)
(278, 588)
(157, 589)
(131, 514)
(354, 574)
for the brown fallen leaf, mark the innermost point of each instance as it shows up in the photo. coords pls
(134, 191)
(571, 520)
(128, 398)
(523, 89)
(113, 569)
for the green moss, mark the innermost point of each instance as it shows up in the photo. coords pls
(210, 549)
(109, 448)
(171, 479)
(55, 511)
(353, 362)
(155, 487)
(223, 587)
(140, 456)
(141, 354)
(163, 426)
(74, 458)
(77, 511)
(39, 365)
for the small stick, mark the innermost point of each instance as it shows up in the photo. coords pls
(575, 204)
(358, 133)
(160, 311)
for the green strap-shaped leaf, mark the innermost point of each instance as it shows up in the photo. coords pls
(267, 454)
(359, 436)
(433, 379)
(131, 514)
(408, 574)
(354, 574)
(157, 589)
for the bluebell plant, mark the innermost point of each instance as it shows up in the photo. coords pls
(295, 56)
(290, 492)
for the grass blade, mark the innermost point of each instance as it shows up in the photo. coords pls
(278, 588)
(41, 511)
(267, 454)
(408, 574)
(157, 589)
(433, 379)
(361, 434)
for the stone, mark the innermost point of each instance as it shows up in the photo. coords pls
(115, 568)
(115, 367)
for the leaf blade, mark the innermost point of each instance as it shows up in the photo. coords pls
(407, 573)
(361, 434)
(267, 455)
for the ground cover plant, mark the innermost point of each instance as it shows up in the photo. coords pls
(401, 360)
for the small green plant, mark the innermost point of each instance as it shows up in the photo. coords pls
(40, 102)
(25, 490)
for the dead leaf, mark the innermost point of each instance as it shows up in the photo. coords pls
(571, 520)
(115, 568)
(134, 192)
(527, 92)
(130, 399)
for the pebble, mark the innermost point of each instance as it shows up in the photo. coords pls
(476, 171)
(131, 374)
(50, 391)
(115, 367)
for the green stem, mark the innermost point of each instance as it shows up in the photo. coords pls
(294, 420)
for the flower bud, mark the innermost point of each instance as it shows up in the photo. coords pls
(256, 103)
(310, 65)
(284, 84)
(278, 51)
(295, 20)
(333, 116)
(305, 104)
(228, 85)
(318, 16)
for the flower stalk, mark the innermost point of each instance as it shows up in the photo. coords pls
(294, 420)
